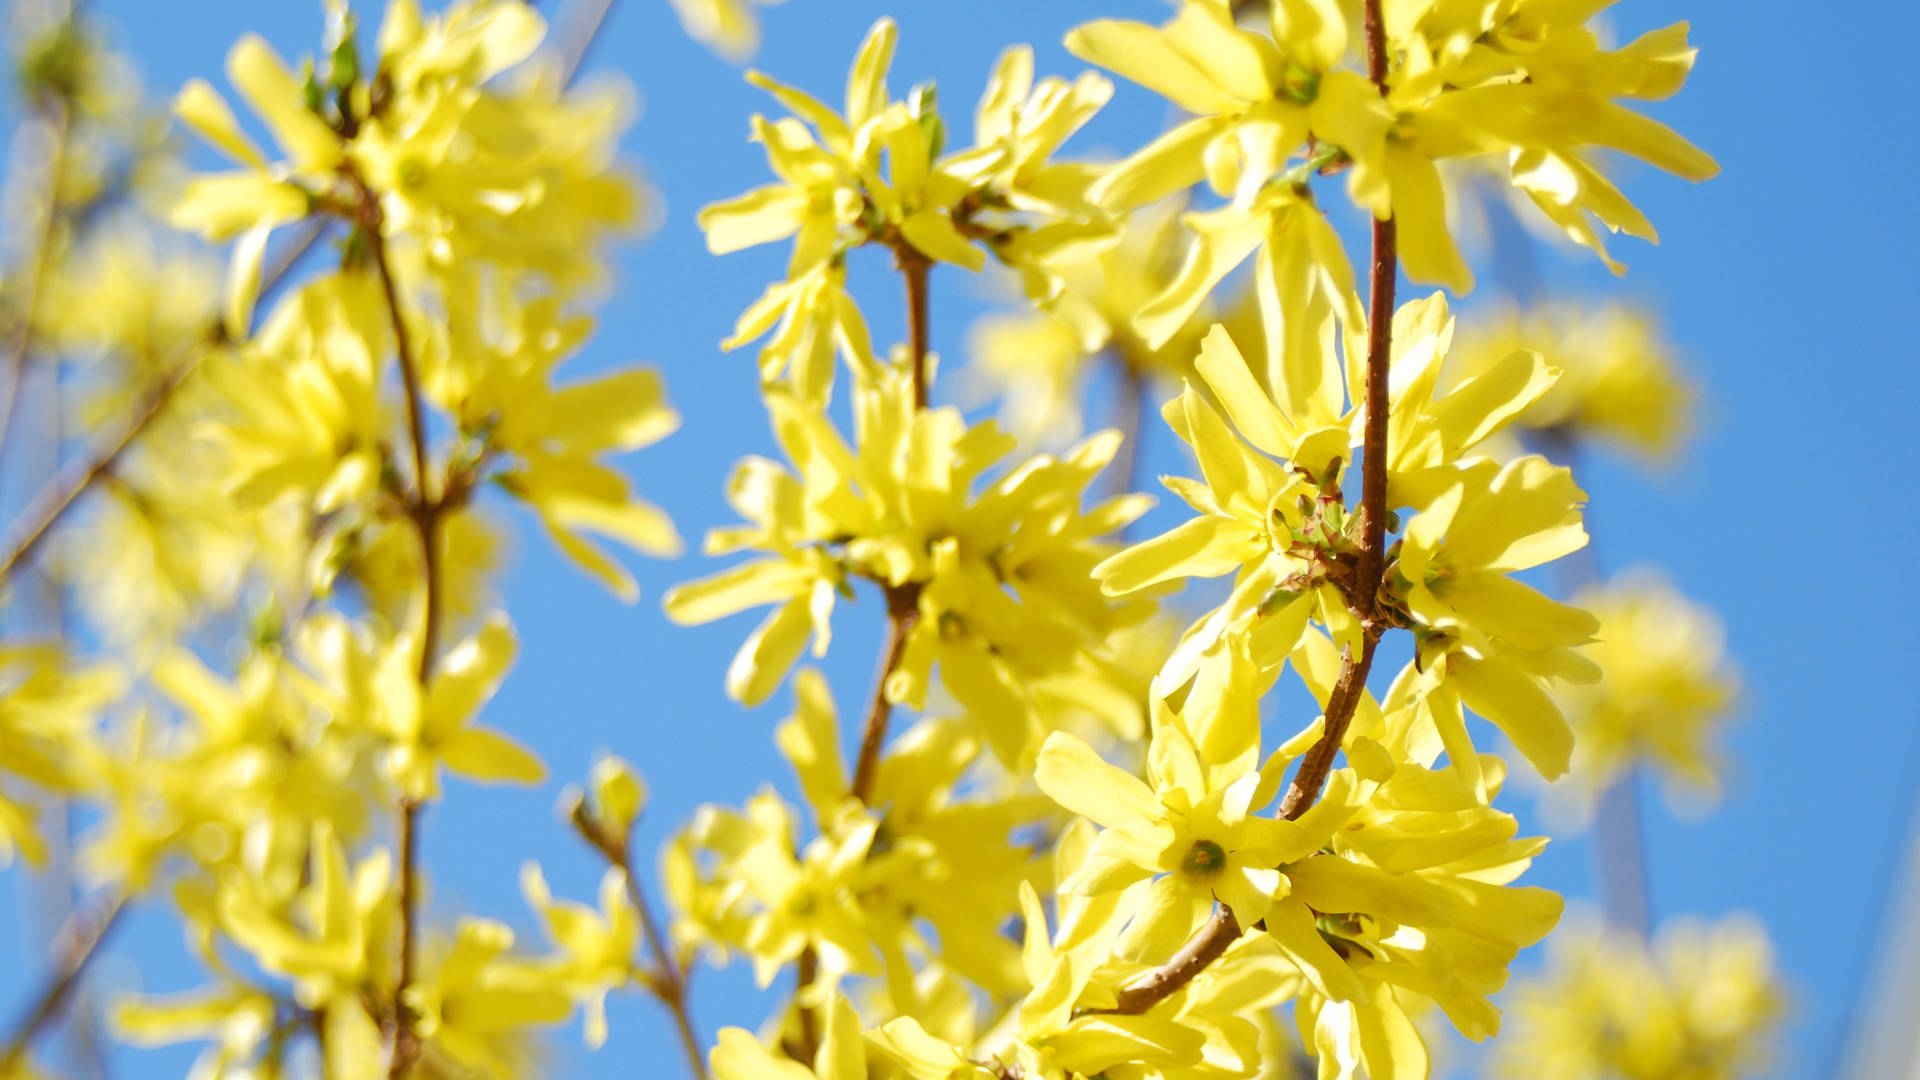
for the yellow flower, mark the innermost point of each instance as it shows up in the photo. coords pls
(1195, 832)
(331, 938)
(372, 679)
(746, 889)
(1702, 1001)
(949, 860)
(1302, 278)
(236, 771)
(1497, 640)
(464, 162)
(995, 582)
(872, 170)
(1526, 84)
(1056, 1041)
(251, 202)
(1620, 383)
(235, 1016)
(877, 173)
(49, 708)
(1256, 98)
(596, 947)
(922, 1056)
(477, 155)
(1037, 362)
(307, 416)
(542, 443)
(812, 318)
(476, 1004)
(1664, 690)
(1527, 88)
(1413, 899)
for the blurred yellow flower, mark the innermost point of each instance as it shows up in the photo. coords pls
(1620, 385)
(1700, 1003)
(1665, 690)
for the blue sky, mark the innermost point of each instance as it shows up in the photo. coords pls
(1786, 283)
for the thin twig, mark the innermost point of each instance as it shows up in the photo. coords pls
(79, 942)
(406, 1045)
(903, 602)
(667, 978)
(1202, 949)
(424, 510)
(426, 506)
(1380, 287)
(916, 269)
(1310, 778)
(805, 974)
(373, 223)
(57, 115)
(903, 612)
(51, 503)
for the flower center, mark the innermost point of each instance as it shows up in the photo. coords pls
(1299, 83)
(1205, 859)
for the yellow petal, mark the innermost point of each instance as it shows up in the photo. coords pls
(269, 86)
(1077, 778)
(1245, 400)
(760, 216)
(1142, 54)
(1206, 546)
(207, 112)
(769, 653)
(623, 411)
(1170, 163)
(490, 757)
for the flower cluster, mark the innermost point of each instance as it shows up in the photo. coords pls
(1699, 1002)
(310, 495)
(1151, 807)
(1195, 872)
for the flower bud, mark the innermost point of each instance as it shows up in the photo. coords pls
(619, 795)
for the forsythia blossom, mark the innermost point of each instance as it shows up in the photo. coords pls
(1699, 1002)
(1076, 830)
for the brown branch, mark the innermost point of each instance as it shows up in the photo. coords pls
(903, 613)
(1202, 949)
(373, 223)
(1380, 287)
(805, 972)
(426, 508)
(423, 508)
(916, 268)
(903, 601)
(79, 942)
(667, 978)
(1310, 778)
(406, 1044)
(51, 503)
(59, 116)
